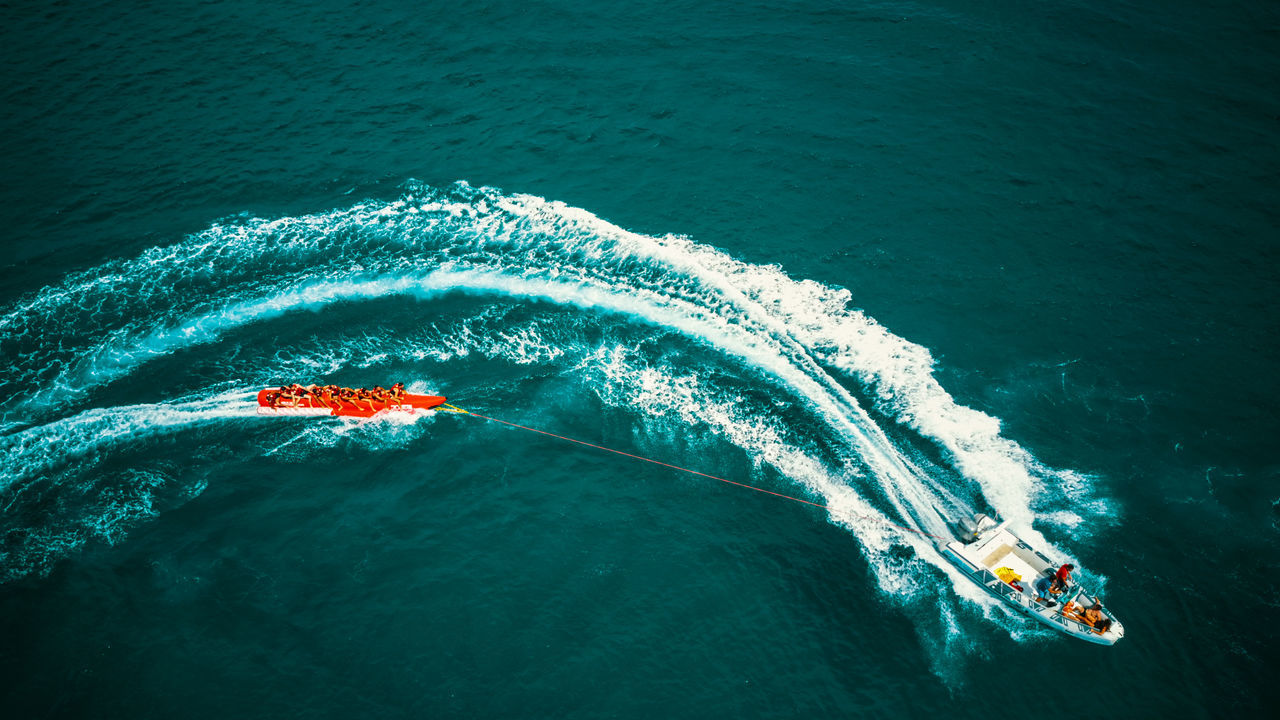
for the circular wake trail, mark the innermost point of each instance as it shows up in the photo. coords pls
(799, 337)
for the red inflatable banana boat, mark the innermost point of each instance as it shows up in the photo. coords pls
(322, 401)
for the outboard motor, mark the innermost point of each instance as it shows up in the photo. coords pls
(968, 529)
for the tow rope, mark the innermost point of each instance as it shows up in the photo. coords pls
(454, 409)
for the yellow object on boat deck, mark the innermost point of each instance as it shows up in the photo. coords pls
(1007, 575)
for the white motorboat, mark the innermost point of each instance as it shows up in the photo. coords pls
(1008, 568)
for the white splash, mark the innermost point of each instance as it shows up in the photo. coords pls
(799, 336)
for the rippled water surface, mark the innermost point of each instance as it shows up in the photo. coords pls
(904, 261)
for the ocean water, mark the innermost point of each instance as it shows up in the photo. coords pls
(908, 261)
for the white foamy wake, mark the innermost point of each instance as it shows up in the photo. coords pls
(36, 451)
(800, 336)
(55, 497)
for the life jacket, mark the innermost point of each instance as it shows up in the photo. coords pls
(1007, 575)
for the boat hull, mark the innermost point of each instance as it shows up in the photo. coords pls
(977, 561)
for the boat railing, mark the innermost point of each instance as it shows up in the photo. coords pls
(1066, 621)
(986, 577)
(1072, 622)
(992, 581)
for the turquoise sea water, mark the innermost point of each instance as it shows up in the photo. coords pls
(900, 259)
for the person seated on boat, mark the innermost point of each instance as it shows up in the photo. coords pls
(1045, 590)
(325, 396)
(347, 395)
(289, 395)
(1092, 616)
(397, 391)
(1073, 611)
(335, 395)
(380, 395)
(366, 396)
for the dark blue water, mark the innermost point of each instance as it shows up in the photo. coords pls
(904, 260)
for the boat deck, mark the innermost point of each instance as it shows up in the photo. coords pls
(1000, 549)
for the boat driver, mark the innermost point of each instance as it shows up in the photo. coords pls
(1062, 579)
